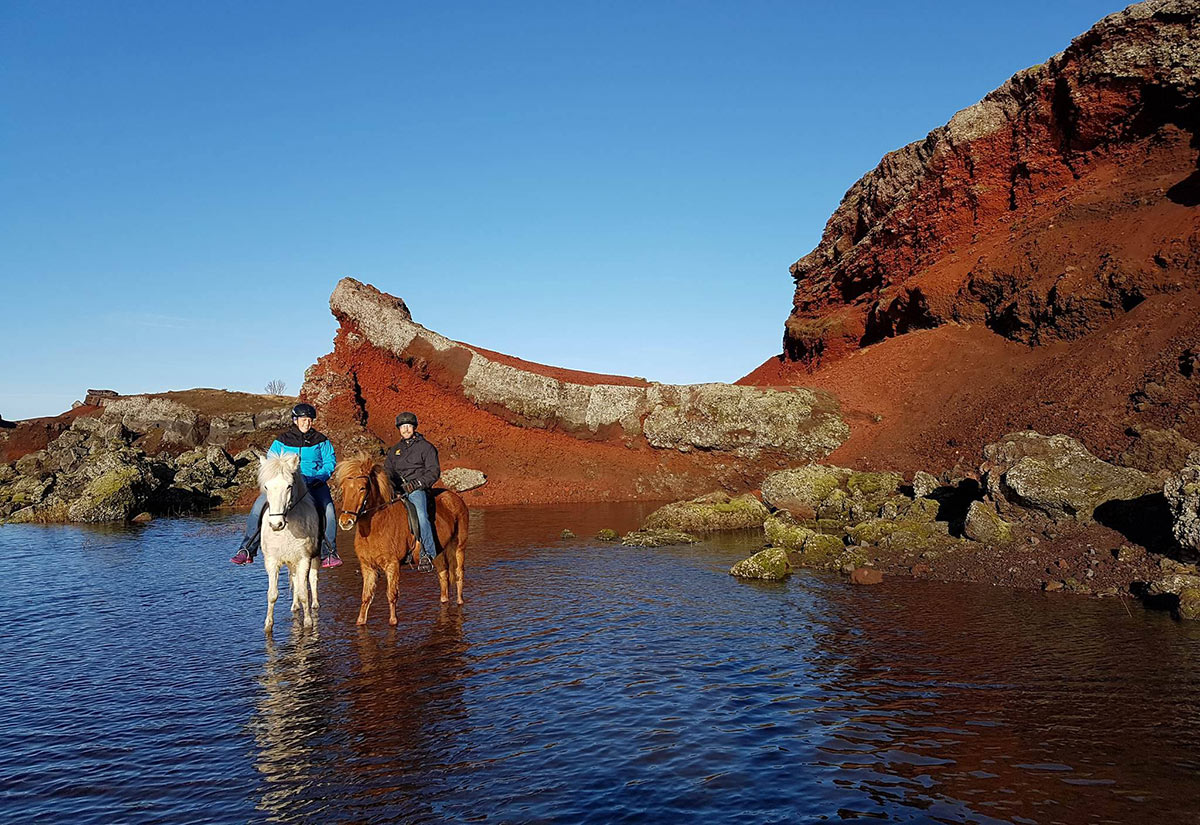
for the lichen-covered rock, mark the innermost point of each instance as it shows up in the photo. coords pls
(770, 564)
(117, 495)
(1189, 603)
(1182, 492)
(141, 414)
(204, 470)
(807, 486)
(1057, 476)
(715, 511)
(462, 479)
(608, 534)
(924, 484)
(983, 524)
(657, 538)
(1173, 584)
(783, 531)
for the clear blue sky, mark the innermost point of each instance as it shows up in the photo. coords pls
(610, 186)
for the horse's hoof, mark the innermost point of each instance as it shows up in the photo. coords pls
(460, 599)
(393, 622)
(444, 599)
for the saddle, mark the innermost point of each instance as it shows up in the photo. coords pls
(414, 525)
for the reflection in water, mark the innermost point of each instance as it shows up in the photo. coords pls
(582, 682)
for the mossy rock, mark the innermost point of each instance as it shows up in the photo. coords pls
(983, 524)
(710, 513)
(109, 497)
(835, 507)
(782, 531)
(874, 485)
(608, 535)
(768, 565)
(919, 511)
(657, 538)
(871, 531)
(807, 486)
(1189, 603)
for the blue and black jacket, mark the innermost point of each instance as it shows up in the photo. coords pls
(314, 449)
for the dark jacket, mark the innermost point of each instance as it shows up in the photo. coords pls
(414, 460)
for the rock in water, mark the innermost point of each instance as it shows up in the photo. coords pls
(769, 565)
(715, 511)
(657, 538)
(866, 576)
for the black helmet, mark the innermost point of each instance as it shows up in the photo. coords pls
(406, 418)
(304, 411)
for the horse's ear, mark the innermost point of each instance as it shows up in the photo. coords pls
(292, 461)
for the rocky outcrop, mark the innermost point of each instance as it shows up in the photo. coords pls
(770, 564)
(657, 538)
(462, 479)
(142, 454)
(543, 433)
(913, 243)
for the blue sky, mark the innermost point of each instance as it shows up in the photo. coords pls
(610, 186)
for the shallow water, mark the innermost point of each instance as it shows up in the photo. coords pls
(580, 683)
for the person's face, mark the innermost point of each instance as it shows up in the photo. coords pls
(304, 423)
(406, 431)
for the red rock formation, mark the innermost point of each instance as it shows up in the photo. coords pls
(546, 434)
(1033, 263)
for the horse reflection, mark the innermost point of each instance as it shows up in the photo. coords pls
(292, 724)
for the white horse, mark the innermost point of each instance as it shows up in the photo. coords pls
(289, 534)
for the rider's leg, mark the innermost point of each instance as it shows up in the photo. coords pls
(324, 502)
(420, 499)
(248, 549)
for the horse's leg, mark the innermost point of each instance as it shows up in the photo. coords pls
(313, 567)
(295, 589)
(300, 585)
(272, 565)
(393, 589)
(442, 564)
(460, 560)
(368, 594)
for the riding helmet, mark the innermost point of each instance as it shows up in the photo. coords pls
(406, 418)
(304, 411)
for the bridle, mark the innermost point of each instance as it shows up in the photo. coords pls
(363, 509)
(292, 505)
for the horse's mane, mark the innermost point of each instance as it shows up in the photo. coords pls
(364, 464)
(277, 465)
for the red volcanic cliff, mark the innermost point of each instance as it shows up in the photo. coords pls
(546, 434)
(1033, 263)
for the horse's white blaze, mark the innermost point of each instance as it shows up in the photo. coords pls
(289, 538)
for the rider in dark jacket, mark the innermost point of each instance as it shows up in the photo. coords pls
(412, 464)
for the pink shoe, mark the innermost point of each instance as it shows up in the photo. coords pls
(331, 561)
(242, 556)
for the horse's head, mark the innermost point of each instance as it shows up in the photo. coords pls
(365, 486)
(279, 478)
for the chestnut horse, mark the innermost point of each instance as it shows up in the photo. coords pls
(382, 538)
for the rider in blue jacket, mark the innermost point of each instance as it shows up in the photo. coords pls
(316, 465)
